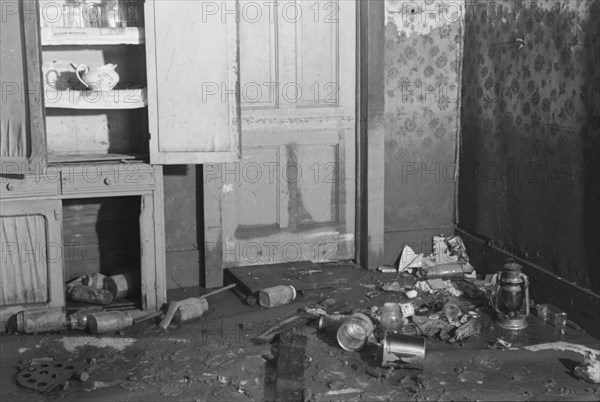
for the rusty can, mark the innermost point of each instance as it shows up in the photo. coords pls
(39, 319)
(123, 285)
(445, 271)
(86, 294)
(329, 324)
(110, 321)
(403, 351)
(190, 308)
(354, 332)
(95, 280)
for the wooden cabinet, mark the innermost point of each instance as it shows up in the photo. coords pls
(176, 102)
(31, 267)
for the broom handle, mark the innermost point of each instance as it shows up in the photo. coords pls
(214, 292)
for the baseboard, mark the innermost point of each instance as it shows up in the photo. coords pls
(183, 269)
(582, 305)
(420, 239)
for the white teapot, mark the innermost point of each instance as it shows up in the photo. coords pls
(102, 78)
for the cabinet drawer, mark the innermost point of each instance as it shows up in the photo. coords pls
(102, 178)
(31, 185)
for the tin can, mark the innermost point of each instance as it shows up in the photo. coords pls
(330, 324)
(110, 321)
(123, 285)
(39, 319)
(190, 308)
(354, 332)
(445, 271)
(403, 351)
(276, 295)
(94, 281)
(86, 294)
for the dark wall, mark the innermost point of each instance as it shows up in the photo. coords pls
(183, 224)
(530, 132)
(423, 52)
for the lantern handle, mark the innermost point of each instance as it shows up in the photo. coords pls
(526, 286)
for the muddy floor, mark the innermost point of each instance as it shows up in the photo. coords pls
(214, 359)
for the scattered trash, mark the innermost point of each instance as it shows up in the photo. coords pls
(276, 296)
(46, 376)
(38, 320)
(109, 321)
(403, 351)
(451, 311)
(190, 308)
(386, 269)
(411, 294)
(123, 284)
(453, 270)
(469, 329)
(392, 287)
(408, 309)
(373, 294)
(71, 343)
(563, 346)
(409, 259)
(437, 284)
(174, 306)
(391, 317)
(330, 324)
(589, 370)
(95, 280)
(354, 332)
(79, 319)
(86, 294)
(551, 314)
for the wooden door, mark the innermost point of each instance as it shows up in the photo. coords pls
(22, 132)
(292, 196)
(193, 88)
(31, 267)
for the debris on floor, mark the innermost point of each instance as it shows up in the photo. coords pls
(382, 336)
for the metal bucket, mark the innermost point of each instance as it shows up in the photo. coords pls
(354, 332)
(403, 351)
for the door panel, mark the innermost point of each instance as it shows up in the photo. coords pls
(22, 132)
(292, 195)
(31, 268)
(193, 88)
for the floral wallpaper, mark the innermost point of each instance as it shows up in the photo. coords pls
(530, 130)
(423, 53)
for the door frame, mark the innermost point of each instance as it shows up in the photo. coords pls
(370, 133)
(370, 151)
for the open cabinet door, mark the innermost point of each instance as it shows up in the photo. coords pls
(22, 131)
(193, 88)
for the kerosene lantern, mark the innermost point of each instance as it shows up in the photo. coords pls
(511, 297)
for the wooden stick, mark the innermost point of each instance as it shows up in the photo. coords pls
(147, 317)
(166, 321)
(174, 305)
(214, 292)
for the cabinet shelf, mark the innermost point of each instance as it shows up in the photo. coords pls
(114, 99)
(59, 36)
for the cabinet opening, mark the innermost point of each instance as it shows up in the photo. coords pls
(102, 235)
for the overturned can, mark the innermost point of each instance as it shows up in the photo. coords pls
(330, 324)
(95, 280)
(123, 284)
(110, 321)
(190, 308)
(403, 351)
(354, 332)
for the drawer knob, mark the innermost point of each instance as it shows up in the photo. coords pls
(108, 181)
(10, 186)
